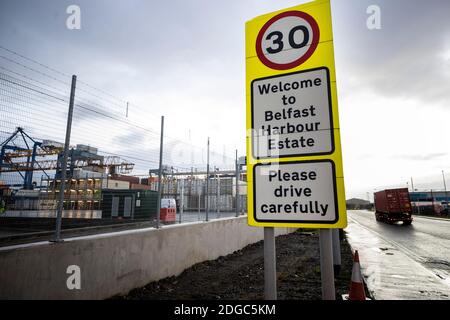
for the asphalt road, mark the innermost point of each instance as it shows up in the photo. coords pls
(402, 262)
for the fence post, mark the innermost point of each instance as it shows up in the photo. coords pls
(158, 205)
(207, 183)
(237, 185)
(182, 199)
(199, 191)
(64, 162)
(218, 193)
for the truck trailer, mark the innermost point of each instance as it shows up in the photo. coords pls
(393, 205)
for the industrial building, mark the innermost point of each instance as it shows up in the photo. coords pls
(100, 187)
(89, 176)
(198, 191)
(430, 202)
(436, 196)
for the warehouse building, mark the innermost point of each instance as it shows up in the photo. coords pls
(437, 196)
(430, 202)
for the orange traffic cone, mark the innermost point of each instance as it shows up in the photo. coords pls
(356, 285)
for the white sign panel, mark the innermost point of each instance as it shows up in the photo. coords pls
(302, 192)
(292, 115)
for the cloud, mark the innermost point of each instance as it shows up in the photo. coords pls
(132, 138)
(89, 111)
(406, 58)
(420, 157)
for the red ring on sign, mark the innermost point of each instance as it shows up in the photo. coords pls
(303, 58)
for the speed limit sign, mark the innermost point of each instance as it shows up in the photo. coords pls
(287, 40)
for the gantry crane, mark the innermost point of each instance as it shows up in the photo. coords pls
(30, 150)
(23, 159)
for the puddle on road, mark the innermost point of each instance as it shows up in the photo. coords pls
(433, 294)
(383, 250)
(398, 276)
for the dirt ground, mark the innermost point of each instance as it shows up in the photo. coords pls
(241, 276)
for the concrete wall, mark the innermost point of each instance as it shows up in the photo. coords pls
(117, 262)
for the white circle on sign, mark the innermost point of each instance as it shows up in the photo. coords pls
(287, 40)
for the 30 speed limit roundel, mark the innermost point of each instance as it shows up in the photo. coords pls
(287, 40)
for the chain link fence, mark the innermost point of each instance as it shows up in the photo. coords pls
(112, 174)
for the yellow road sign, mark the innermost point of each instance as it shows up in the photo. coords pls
(294, 160)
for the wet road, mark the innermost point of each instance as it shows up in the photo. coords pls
(402, 262)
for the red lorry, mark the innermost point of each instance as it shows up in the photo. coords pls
(393, 205)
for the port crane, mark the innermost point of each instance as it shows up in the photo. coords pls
(31, 155)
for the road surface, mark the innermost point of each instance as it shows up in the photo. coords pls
(402, 262)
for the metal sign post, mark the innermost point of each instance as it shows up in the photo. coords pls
(270, 261)
(336, 252)
(326, 264)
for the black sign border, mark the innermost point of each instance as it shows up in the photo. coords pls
(330, 106)
(333, 169)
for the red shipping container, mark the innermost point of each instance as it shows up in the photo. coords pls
(393, 205)
(130, 179)
(135, 186)
(393, 201)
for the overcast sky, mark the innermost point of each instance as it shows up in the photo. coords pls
(185, 59)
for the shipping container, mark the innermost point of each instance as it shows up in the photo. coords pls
(130, 179)
(135, 186)
(393, 205)
(149, 181)
(85, 148)
(86, 173)
(52, 144)
(115, 184)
